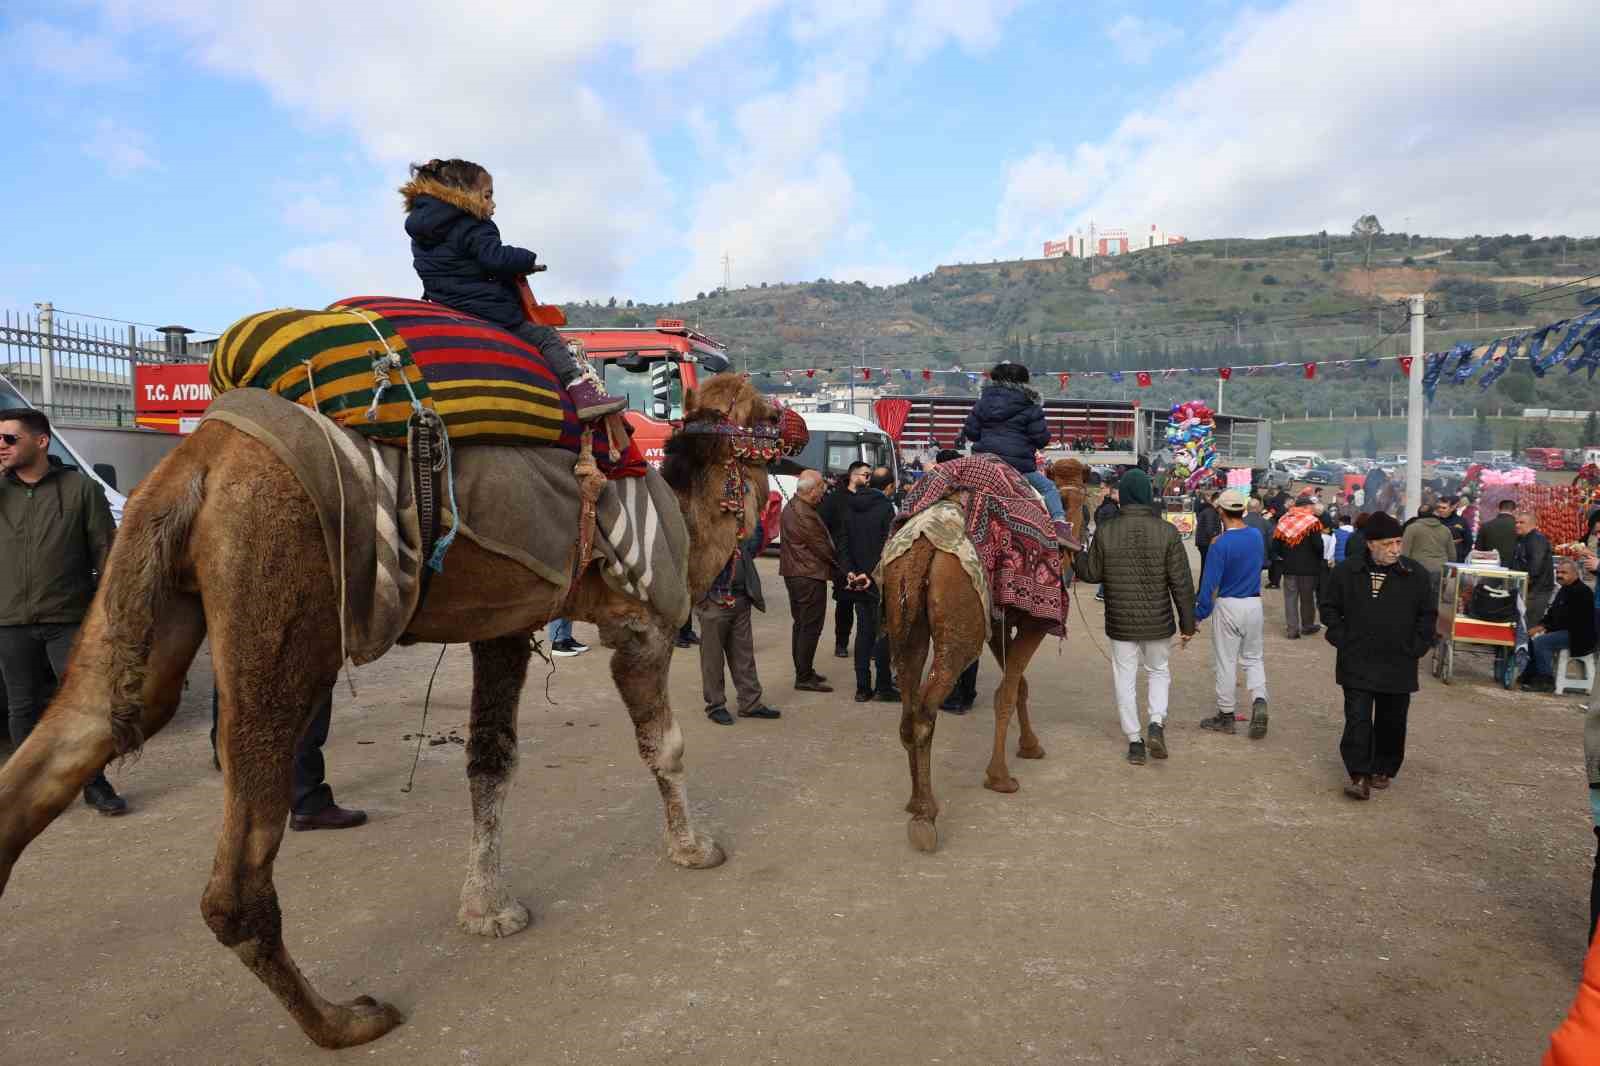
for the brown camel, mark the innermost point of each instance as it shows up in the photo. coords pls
(930, 600)
(221, 541)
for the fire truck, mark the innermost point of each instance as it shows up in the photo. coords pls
(651, 365)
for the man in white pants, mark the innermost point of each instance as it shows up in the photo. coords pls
(1138, 560)
(1230, 588)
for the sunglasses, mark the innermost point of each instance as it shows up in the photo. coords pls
(10, 438)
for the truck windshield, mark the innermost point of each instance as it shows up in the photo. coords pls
(656, 391)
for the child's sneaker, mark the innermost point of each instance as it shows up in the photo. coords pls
(589, 397)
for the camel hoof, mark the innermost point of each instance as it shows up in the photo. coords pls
(1030, 753)
(923, 834)
(923, 811)
(1004, 784)
(703, 855)
(504, 920)
(357, 1021)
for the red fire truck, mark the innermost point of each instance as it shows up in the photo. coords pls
(650, 365)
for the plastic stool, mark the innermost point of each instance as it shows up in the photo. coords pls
(1567, 684)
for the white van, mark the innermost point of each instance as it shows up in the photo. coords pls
(837, 440)
(60, 449)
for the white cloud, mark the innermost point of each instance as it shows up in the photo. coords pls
(1322, 110)
(1137, 40)
(78, 59)
(120, 149)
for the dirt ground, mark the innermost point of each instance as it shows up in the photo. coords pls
(1225, 906)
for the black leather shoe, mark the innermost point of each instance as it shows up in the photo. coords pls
(761, 710)
(863, 695)
(887, 695)
(841, 653)
(330, 817)
(104, 799)
(952, 703)
(813, 684)
(720, 716)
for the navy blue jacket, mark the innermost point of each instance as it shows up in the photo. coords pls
(1008, 421)
(457, 253)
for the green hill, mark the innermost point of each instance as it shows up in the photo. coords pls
(1203, 304)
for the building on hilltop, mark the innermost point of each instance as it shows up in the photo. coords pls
(1109, 242)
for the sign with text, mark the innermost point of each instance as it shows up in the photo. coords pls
(171, 397)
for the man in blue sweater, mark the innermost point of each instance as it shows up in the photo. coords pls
(1230, 588)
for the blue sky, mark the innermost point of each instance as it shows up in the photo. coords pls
(194, 160)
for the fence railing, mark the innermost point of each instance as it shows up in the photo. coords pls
(79, 369)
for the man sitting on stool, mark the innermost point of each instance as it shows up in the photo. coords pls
(1567, 626)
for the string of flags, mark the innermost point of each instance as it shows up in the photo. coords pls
(1576, 346)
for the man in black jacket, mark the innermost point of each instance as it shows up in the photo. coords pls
(1381, 616)
(1297, 545)
(1207, 524)
(1534, 557)
(832, 511)
(1499, 534)
(867, 517)
(1567, 626)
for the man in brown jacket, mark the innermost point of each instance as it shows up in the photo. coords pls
(806, 563)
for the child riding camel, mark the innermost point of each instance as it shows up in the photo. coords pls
(457, 252)
(1008, 422)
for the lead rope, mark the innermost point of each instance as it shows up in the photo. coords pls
(338, 474)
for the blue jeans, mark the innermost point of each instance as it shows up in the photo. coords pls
(1051, 494)
(1545, 647)
(560, 630)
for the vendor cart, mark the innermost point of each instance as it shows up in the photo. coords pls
(1179, 510)
(1480, 605)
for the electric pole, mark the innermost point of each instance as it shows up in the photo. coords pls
(727, 273)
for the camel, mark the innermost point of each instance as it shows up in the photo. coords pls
(929, 600)
(221, 541)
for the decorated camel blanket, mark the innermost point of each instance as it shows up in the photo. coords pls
(1009, 529)
(521, 503)
(363, 360)
(945, 525)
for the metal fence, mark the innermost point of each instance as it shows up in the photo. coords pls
(79, 368)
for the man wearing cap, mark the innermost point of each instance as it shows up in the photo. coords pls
(1230, 587)
(1381, 612)
(1138, 560)
(1297, 542)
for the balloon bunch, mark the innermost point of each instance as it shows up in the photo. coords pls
(1191, 434)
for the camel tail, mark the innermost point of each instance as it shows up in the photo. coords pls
(141, 575)
(905, 591)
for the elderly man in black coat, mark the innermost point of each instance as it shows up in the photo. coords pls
(1380, 613)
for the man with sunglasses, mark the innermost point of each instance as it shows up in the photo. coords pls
(56, 529)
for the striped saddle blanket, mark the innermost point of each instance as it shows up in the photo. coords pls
(488, 386)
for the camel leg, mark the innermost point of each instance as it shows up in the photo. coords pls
(639, 668)
(1013, 647)
(919, 704)
(74, 739)
(1028, 746)
(499, 668)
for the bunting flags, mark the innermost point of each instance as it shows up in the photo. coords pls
(1143, 378)
(1310, 369)
(1225, 372)
(1405, 366)
(1061, 381)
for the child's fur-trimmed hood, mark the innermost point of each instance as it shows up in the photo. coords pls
(468, 200)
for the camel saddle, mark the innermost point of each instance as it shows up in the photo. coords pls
(1009, 530)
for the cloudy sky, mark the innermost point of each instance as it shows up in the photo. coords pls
(195, 160)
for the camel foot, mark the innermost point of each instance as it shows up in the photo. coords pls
(1000, 784)
(1035, 752)
(704, 854)
(502, 919)
(931, 810)
(356, 1022)
(923, 834)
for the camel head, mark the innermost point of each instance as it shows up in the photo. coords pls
(1069, 475)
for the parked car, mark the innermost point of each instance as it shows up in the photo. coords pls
(1323, 475)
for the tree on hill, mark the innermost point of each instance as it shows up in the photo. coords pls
(1482, 436)
(1542, 435)
(1372, 442)
(1366, 229)
(1591, 429)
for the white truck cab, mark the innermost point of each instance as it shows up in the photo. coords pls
(837, 440)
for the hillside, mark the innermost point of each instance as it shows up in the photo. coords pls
(1203, 304)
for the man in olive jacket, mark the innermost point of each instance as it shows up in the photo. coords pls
(56, 529)
(1138, 559)
(1380, 611)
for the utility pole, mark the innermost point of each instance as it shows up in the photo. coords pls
(1219, 394)
(727, 273)
(1418, 312)
(47, 356)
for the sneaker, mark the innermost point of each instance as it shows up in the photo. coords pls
(1101, 594)
(1065, 537)
(761, 710)
(591, 401)
(1156, 737)
(720, 716)
(1221, 722)
(1136, 752)
(104, 799)
(566, 649)
(1258, 720)
(686, 638)
(1360, 787)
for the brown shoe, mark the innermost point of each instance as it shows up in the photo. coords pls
(813, 684)
(330, 817)
(1380, 780)
(590, 398)
(1360, 787)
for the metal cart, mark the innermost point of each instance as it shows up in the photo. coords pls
(1179, 510)
(1489, 590)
